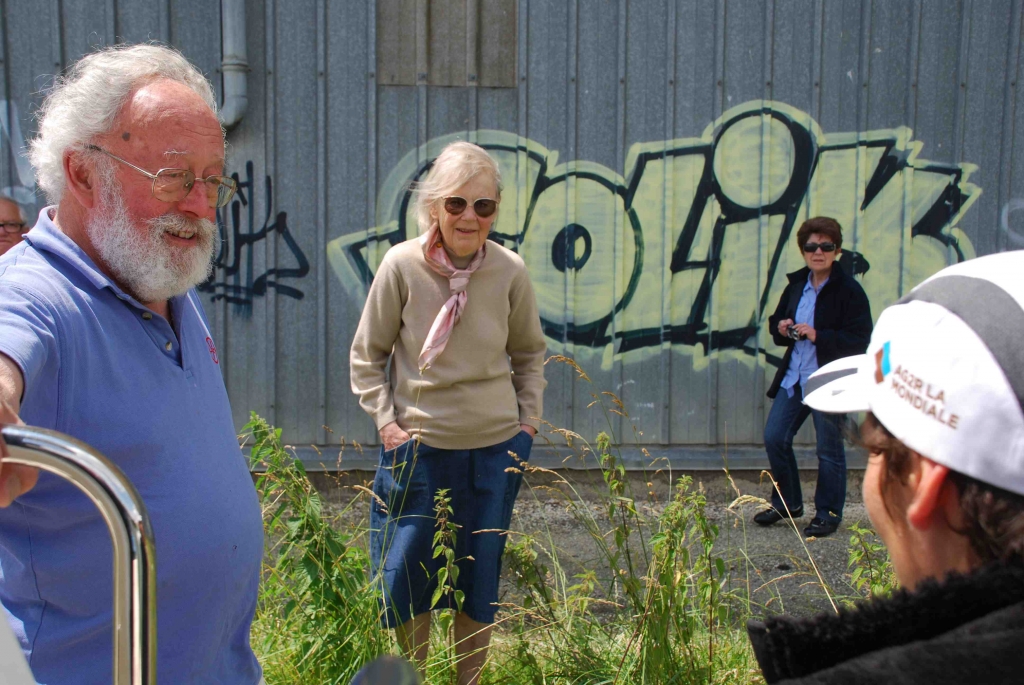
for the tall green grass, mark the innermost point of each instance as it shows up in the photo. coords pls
(656, 607)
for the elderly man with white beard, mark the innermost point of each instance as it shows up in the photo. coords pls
(103, 337)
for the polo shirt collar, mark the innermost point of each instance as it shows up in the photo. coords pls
(46, 237)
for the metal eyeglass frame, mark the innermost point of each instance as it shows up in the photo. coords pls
(222, 180)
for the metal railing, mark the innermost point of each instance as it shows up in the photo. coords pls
(131, 535)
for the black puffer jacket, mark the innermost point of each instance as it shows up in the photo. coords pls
(842, 319)
(967, 630)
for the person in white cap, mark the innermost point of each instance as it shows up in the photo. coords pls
(943, 385)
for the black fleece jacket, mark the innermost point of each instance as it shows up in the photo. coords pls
(966, 630)
(842, 319)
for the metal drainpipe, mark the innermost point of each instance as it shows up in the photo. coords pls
(234, 64)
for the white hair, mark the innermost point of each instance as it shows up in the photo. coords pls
(85, 102)
(21, 210)
(454, 167)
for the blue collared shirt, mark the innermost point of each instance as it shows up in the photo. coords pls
(804, 361)
(101, 367)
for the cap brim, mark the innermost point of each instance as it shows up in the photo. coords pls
(839, 387)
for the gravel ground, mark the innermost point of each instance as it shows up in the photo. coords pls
(772, 565)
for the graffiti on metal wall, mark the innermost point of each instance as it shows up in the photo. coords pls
(22, 186)
(1014, 233)
(235, 280)
(691, 245)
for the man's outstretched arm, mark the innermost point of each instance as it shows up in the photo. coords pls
(15, 479)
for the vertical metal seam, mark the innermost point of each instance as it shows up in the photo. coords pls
(164, 20)
(422, 74)
(371, 168)
(1005, 185)
(667, 211)
(270, 254)
(571, 132)
(719, 103)
(220, 308)
(57, 37)
(960, 108)
(523, 110)
(619, 219)
(817, 68)
(472, 67)
(111, 22)
(321, 218)
(7, 165)
(910, 115)
(863, 105)
(763, 252)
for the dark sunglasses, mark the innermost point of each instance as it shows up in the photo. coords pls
(811, 248)
(484, 207)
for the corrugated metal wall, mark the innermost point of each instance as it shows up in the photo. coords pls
(658, 156)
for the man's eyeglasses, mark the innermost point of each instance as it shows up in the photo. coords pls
(174, 185)
(484, 207)
(811, 248)
(13, 227)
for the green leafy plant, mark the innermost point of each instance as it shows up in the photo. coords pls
(871, 572)
(444, 545)
(318, 614)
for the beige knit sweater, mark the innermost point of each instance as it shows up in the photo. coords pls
(490, 377)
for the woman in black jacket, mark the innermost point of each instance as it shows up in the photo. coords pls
(943, 385)
(823, 315)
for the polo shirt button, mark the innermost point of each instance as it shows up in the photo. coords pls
(147, 315)
(168, 346)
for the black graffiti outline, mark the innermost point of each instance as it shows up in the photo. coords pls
(695, 331)
(239, 292)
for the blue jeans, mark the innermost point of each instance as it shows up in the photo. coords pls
(784, 420)
(483, 484)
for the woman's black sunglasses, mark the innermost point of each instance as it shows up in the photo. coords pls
(811, 248)
(484, 207)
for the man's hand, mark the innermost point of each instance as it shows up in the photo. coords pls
(806, 331)
(15, 479)
(392, 436)
(529, 429)
(784, 326)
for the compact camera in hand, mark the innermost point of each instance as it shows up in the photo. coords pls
(792, 334)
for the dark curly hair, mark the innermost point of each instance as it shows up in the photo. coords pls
(824, 225)
(994, 517)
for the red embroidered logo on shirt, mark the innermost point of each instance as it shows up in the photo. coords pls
(213, 350)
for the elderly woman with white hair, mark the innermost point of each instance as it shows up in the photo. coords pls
(456, 315)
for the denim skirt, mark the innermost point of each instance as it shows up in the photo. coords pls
(482, 484)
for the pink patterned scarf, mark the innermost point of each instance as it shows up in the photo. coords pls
(458, 281)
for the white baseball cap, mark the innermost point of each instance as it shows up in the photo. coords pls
(944, 372)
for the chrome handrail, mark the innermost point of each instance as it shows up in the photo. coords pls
(131, 535)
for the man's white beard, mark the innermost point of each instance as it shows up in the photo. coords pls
(142, 262)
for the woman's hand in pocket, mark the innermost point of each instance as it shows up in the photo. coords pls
(529, 429)
(392, 436)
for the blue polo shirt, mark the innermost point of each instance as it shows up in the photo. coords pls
(101, 367)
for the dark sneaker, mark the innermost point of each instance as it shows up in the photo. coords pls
(772, 515)
(820, 527)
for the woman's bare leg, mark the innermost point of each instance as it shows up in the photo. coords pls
(471, 642)
(414, 638)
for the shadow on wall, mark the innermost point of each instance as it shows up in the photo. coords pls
(691, 246)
